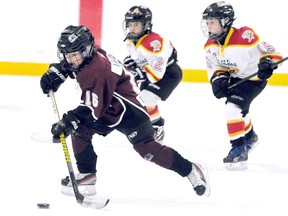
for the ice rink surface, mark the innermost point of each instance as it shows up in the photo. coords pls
(195, 127)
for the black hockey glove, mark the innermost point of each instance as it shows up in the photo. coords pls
(66, 125)
(219, 84)
(139, 75)
(265, 68)
(53, 78)
(130, 63)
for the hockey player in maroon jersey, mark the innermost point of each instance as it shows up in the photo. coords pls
(110, 101)
(154, 62)
(231, 55)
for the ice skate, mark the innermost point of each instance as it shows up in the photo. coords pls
(237, 157)
(199, 179)
(85, 181)
(252, 142)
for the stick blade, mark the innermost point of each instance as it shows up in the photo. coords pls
(95, 202)
(236, 166)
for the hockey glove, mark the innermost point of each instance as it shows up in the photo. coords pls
(130, 63)
(219, 84)
(66, 125)
(265, 68)
(139, 75)
(53, 78)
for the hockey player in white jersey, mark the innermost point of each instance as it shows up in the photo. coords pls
(153, 59)
(231, 55)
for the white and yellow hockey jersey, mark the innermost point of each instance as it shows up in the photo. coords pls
(151, 53)
(240, 53)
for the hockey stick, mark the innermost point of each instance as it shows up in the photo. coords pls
(94, 202)
(254, 74)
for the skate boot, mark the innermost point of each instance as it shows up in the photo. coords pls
(252, 142)
(237, 157)
(159, 130)
(85, 181)
(199, 179)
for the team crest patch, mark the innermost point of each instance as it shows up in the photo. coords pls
(156, 45)
(136, 11)
(248, 34)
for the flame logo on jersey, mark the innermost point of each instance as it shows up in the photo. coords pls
(156, 45)
(248, 34)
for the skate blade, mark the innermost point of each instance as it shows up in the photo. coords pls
(242, 165)
(95, 202)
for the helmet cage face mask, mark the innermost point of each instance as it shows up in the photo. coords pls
(137, 14)
(221, 11)
(73, 39)
(213, 36)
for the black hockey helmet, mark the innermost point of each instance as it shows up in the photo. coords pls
(222, 11)
(138, 13)
(72, 39)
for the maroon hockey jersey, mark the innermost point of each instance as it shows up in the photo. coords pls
(105, 86)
